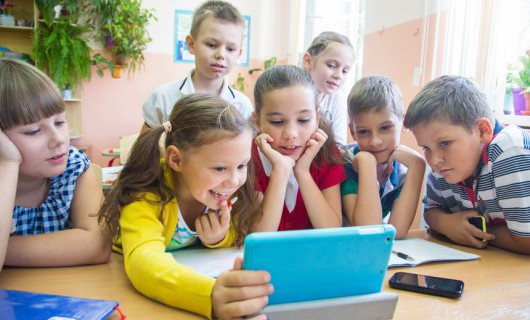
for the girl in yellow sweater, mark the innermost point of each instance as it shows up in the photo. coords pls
(158, 205)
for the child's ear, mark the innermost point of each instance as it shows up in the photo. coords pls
(485, 130)
(174, 158)
(307, 61)
(190, 43)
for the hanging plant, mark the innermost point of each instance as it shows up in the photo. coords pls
(61, 50)
(125, 21)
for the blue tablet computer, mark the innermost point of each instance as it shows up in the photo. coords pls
(321, 263)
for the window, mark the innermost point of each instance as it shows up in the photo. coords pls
(343, 16)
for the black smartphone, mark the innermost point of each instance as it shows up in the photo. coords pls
(443, 287)
(479, 222)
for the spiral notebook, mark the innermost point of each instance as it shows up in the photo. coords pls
(419, 251)
(17, 305)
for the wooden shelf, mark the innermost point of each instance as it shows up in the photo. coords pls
(16, 28)
(20, 39)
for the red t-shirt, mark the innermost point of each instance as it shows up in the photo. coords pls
(326, 176)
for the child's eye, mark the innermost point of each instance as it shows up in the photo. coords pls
(220, 169)
(444, 144)
(60, 123)
(386, 128)
(426, 149)
(210, 45)
(362, 132)
(304, 120)
(276, 122)
(345, 71)
(331, 66)
(32, 132)
(231, 50)
(242, 167)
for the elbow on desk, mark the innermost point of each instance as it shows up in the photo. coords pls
(100, 254)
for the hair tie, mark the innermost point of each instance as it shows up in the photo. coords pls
(167, 126)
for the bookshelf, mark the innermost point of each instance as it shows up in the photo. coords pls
(20, 39)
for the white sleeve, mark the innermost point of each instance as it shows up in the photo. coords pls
(339, 114)
(152, 110)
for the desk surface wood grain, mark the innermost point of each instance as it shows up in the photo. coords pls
(497, 286)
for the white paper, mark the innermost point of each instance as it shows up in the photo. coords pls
(210, 262)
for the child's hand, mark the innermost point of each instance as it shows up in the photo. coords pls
(8, 150)
(404, 155)
(238, 293)
(263, 141)
(212, 227)
(457, 228)
(313, 145)
(362, 157)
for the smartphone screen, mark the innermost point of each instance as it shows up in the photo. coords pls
(444, 287)
(479, 222)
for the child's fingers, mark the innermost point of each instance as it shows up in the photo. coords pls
(477, 243)
(481, 234)
(238, 263)
(320, 135)
(198, 227)
(225, 214)
(205, 223)
(244, 307)
(311, 142)
(247, 292)
(263, 140)
(242, 278)
(213, 220)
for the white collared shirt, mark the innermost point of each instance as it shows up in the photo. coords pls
(292, 185)
(158, 106)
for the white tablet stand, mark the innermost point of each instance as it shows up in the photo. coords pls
(373, 306)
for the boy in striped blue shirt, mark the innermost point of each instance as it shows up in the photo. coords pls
(478, 167)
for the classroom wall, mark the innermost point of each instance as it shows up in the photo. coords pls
(399, 43)
(113, 107)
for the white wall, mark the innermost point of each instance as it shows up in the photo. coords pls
(269, 22)
(389, 13)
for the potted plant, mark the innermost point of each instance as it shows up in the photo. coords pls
(510, 98)
(102, 63)
(61, 50)
(522, 79)
(125, 21)
(240, 81)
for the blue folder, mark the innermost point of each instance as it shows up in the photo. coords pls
(321, 263)
(22, 305)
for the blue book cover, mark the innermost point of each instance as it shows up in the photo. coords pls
(22, 305)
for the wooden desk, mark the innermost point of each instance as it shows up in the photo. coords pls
(497, 286)
(105, 281)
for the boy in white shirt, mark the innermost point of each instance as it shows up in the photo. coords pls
(215, 38)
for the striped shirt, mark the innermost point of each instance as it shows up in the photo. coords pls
(502, 189)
